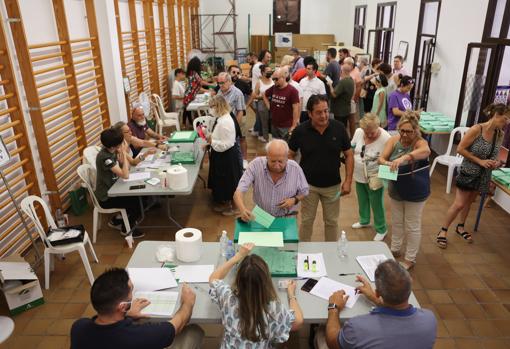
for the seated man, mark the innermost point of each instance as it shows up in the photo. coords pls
(393, 324)
(140, 129)
(116, 325)
(278, 183)
(112, 162)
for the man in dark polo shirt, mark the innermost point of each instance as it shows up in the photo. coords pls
(140, 129)
(321, 140)
(283, 102)
(116, 325)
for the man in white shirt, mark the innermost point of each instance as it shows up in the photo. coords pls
(311, 85)
(178, 88)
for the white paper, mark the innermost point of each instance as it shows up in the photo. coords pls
(138, 176)
(16, 271)
(320, 266)
(369, 264)
(58, 234)
(151, 279)
(193, 273)
(325, 287)
(162, 303)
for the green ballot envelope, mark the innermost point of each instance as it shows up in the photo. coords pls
(262, 217)
(386, 173)
(287, 225)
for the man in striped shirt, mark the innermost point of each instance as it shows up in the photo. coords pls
(278, 183)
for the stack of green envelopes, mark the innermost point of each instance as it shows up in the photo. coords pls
(502, 176)
(436, 122)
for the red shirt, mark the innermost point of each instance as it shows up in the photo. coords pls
(281, 101)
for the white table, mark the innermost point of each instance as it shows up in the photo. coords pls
(314, 308)
(199, 104)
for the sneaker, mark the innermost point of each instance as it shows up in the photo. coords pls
(380, 237)
(262, 139)
(230, 212)
(407, 265)
(136, 234)
(219, 208)
(245, 164)
(358, 225)
(115, 223)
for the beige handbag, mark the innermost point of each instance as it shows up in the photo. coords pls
(374, 182)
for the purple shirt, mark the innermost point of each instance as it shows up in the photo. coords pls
(399, 100)
(267, 194)
(138, 131)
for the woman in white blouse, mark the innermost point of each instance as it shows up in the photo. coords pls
(224, 167)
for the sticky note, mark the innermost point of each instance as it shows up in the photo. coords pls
(386, 173)
(262, 217)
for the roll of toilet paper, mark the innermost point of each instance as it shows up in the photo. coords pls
(188, 244)
(177, 177)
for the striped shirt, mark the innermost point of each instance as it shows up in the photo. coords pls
(267, 194)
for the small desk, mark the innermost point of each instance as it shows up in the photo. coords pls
(121, 188)
(482, 201)
(314, 308)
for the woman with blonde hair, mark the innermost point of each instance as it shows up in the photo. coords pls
(369, 141)
(407, 152)
(480, 148)
(224, 166)
(287, 61)
(252, 314)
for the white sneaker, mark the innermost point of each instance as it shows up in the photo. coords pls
(262, 139)
(380, 237)
(358, 225)
(245, 164)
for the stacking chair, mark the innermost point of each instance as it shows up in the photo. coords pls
(205, 122)
(452, 161)
(89, 158)
(164, 119)
(28, 206)
(83, 172)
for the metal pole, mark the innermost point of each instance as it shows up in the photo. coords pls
(270, 44)
(249, 32)
(25, 225)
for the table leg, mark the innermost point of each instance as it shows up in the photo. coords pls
(203, 180)
(156, 226)
(169, 213)
(480, 208)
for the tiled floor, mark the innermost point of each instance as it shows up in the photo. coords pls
(466, 286)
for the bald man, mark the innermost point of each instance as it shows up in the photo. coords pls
(279, 184)
(140, 129)
(341, 95)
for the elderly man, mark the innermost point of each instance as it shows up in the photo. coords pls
(282, 100)
(116, 325)
(235, 99)
(321, 141)
(311, 85)
(278, 184)
(392, 324)
(140, 129)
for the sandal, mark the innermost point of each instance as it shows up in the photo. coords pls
(465, 235)
(442, 241)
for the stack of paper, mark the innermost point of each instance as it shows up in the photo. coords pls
(369, 264)
(162, 303)
(311, 271)
(325, 287)
(138, 176)
(151, 279)
(193, 273)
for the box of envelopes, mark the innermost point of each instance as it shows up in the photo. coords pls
(19, 284)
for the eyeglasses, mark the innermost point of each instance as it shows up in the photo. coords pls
(362, 154)
(236, 72)
(222, 82)
(405, 132)
(274, 79)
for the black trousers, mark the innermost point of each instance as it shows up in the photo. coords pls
(130, 203)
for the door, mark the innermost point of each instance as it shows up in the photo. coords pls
(423, 74)
(380, 42)
(286, 16)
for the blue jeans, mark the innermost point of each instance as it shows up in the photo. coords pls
(257, 127)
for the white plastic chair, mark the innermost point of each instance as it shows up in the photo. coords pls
(89, 158)
(28, 206)
(164, 119)
(452, 161)
(6, 328)
(206, 122)
(83, 172)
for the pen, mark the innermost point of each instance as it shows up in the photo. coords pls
(345, 274)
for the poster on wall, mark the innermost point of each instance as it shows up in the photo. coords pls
(283, 39)
(4, 154)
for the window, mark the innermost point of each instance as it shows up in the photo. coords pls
(385, 25)
(287, 15)
(360, 15)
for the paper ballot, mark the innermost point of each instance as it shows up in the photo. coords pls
(193, 273)
(162, 303)
(325, 287)
(151, 279)
(137, 176)
(386, 173)
(369, 264)
(262, 217)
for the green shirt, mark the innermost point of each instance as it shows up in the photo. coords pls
(341, 104)
(382, 114)
(105, 177)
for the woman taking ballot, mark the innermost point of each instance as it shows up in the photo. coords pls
(251, 312)
(407, 153)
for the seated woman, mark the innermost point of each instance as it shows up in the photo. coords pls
(129, 140)
(251, 312)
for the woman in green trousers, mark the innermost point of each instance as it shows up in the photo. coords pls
(368, 143)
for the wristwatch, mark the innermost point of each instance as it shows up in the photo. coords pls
(332, 306)
(296, 199)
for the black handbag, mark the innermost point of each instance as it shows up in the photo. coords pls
(413, 181)
(66, 240)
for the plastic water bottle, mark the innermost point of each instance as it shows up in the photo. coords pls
(230, 250)
(223, 243)
(342, 245)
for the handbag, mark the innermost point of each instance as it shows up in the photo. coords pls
(66, 235)
(413, 181)
(373, 180)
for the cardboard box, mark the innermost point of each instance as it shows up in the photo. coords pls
(20, 285)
